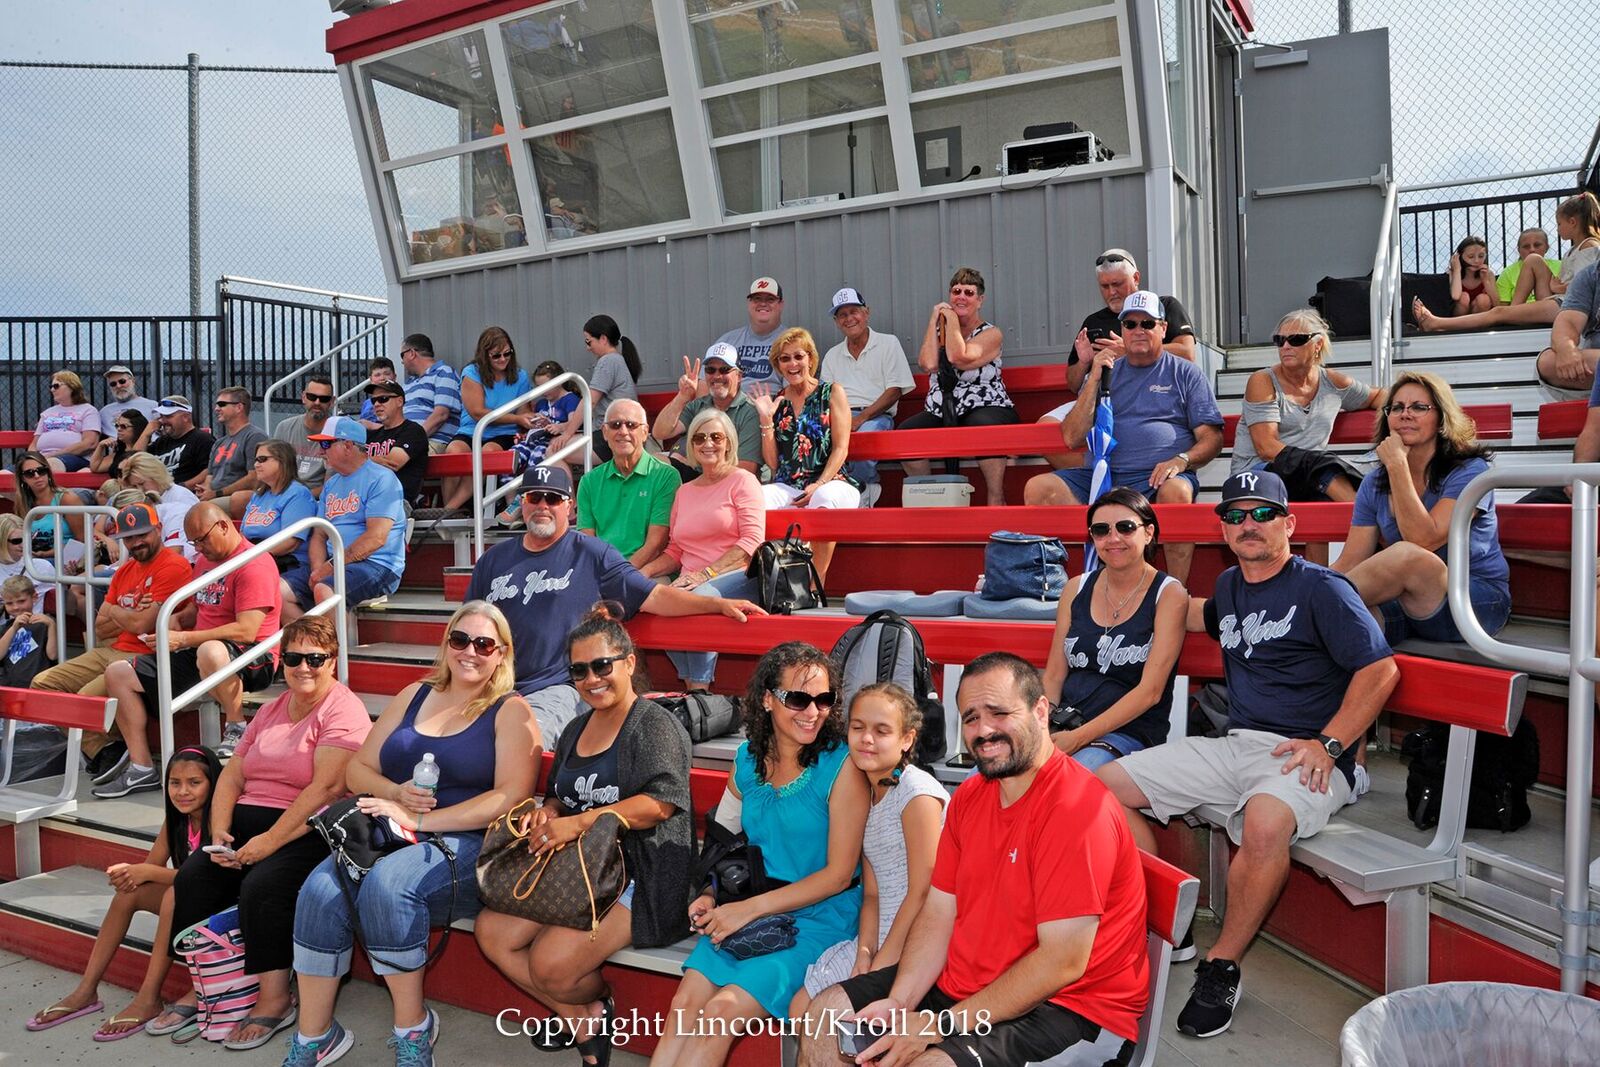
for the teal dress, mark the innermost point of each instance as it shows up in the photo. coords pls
(791, 827)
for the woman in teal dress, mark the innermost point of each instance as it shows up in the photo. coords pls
(804, 804)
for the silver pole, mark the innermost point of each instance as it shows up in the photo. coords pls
(1346, 17)
(480, 501)
(194, 184)
(1580, 746)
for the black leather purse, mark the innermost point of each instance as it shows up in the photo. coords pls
(730, 868)
(786, 579)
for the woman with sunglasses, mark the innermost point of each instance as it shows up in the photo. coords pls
(797, 796)
(111, 451)
(626, 755)
(280, 500)
(289, 766)
(11, 539)
(1396, 551)
(491, 379)
(173, 500)
(36, 487)
(1118, 633)
(483, 736)
(69, 428)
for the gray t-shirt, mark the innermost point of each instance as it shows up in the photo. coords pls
(1583, 294)
(1303, 427)
(611, 377)
(746, 423)
(233, 456)
(109, 413)
(310, 468)
(753, 349)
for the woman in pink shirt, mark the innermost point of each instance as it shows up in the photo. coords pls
(290, 765)
(69, 428)
(718, 520)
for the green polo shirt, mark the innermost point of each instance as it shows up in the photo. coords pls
(620, 509)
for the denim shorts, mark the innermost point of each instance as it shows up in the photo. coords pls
(1491, 602)
(364, 580)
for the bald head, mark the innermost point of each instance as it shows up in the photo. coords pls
(211, 531)
(625, 432)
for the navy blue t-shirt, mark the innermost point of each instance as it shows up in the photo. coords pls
(1289, 647)
(544, 594)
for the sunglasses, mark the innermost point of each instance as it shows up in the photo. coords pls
(58, 385)
(228, 403)
(1101, 261)
(1263, 514)
(622, 424)
(1139, 324)
(384, 399)
(1125, 527)
(702, 438)
(15, 540)
(124, 426)
(719, 370)
(34, 472)
(800, 700)
(325, 445)
(1416, 408)
(540, 496)
(970, 290)
(1294, 340)
(316, 660)
(318, 398)
(263, 458)
(120, 381)
(600, 668)
(506, 354)
(483, 646)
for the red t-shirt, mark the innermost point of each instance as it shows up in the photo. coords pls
(164, 575)
(1060, 852)
(253, 587)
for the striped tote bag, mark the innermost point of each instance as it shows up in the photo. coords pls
(214, 953)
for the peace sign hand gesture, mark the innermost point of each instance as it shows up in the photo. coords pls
(690, 382)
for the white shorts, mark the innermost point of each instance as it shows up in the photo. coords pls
(1227, 771)
(832, 967)
(836, 494)
(1058, 414)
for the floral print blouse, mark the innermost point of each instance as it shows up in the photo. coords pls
(805, 440)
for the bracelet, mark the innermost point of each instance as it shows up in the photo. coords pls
(766, 427)
(420, 814)
(711, 572)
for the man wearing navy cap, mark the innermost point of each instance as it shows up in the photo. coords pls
(364, 501)
(1308, 671)
(873, 369)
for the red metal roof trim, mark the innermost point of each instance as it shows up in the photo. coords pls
(1244, 13)
(389, 27)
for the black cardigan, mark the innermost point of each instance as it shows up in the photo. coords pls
(654, 760)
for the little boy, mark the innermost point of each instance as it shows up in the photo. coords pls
(28, 644)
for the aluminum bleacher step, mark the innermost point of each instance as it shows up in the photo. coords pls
(73, 898)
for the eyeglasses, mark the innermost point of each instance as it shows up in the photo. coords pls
(34, 472)
(1113, 257)
(713, 438)
(800, 700)
(318, 398)
(315, 660)
(540, 496)
(1416, 407)
(1294, 340)
(209, 531)
(1263, 514)
(120, 381)
(483, 646)
(229, 403)
(600, 668)
(1139, 324)
(622, 424)
(1125, 527)
(718, 370)
(263, 458)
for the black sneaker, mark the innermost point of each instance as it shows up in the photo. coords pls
(1211, 1002)
(1184, 950)
(108, 763)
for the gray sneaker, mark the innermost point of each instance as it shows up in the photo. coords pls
(416, 1048)
(111, 761)
(324, 1050)
(232, 734)
(131, 780)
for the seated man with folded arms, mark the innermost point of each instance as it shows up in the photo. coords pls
(1032, 936)
(719, 388)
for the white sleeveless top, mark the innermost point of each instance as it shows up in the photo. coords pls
(884, 843)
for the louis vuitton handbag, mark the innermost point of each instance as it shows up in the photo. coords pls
(574, 886)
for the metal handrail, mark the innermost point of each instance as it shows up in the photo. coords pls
(1383, 311)
(166, 705)
(60, 578)
(234, 278)
(333, 375)
(479, 500)
(1578, 664)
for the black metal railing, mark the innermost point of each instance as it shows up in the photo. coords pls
(265, 338)
(1429, 232)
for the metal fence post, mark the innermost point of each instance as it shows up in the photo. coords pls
(194, 183)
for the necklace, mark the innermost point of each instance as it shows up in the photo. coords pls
(1116, 609)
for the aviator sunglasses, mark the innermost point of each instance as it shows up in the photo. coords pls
(1125, 527)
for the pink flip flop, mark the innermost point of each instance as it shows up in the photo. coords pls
(102, 1036)
(47, 1022)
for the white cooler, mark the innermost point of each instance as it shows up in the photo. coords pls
(936, 491)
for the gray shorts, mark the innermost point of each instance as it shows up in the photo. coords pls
(554, 706)
(1226, 772)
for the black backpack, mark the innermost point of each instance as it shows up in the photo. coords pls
(1502, 770)
(704, 715)
(786, 579)
(884, 647)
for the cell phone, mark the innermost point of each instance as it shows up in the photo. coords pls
(855, 1038)
(219, 850)
(1098, 333)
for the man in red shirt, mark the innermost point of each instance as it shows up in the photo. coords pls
(225, 618)
(1047, 946)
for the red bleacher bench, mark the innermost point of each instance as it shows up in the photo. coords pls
(16, 438)
(1562, 419)
(25, 804)
(66, 480)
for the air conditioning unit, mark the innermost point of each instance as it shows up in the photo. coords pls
(1052, 153)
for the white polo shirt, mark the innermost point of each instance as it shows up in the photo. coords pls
(882, 365)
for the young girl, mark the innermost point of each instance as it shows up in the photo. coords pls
(901, 838)
(191, 778)
(1472, 283)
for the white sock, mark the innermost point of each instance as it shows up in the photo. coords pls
(137, 769)
(402, 1031)
(302, 1039)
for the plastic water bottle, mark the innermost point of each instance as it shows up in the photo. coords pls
(425, 775)
(979, 587)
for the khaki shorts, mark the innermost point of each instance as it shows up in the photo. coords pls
(1226, 772)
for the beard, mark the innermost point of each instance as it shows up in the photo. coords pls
(1019, 756)
(542, 527)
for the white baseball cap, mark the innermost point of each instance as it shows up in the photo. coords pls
(1144, 302)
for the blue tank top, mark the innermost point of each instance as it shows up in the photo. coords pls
(465, 759)
(1105, 664)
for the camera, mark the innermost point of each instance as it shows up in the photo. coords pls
(1066, 717)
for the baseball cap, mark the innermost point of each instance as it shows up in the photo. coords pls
(171, 405)
(765, 286)
(542, 479)
(117, 368)
(847, 297)
(135, 519)
(1254, 485)
(341, 428)
(722, 352)
(386, 388)
(1144, 302)
(1116, 255)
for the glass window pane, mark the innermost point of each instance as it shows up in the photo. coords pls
(736, 39)
(459, 206)
(432, 97)
(812, 98)
(610, 176)
(576, 59)
(969, 130)
(1014, 55)
(924, 20)
(1176, 41)
(817, 164)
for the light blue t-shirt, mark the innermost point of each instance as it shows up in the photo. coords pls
(1583, 294)
(373, 491)
(1156, 409)
(1484, 559)
(495, 395)
(268, 512)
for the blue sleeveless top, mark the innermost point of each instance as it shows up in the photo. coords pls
(465, 759)
(1103, 665)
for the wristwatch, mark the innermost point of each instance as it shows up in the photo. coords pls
(1185, 457)
(1334, 746)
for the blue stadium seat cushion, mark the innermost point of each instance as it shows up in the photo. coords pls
(943, 604)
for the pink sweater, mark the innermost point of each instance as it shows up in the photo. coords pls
(708, 520)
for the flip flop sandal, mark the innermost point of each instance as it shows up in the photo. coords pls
(187, 1032)
(275, 1024)
(185, 1014)
(68, 1014)
(103, 1035)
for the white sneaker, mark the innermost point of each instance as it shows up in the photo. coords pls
(1362, 786)
(870, 495)
(232, 734)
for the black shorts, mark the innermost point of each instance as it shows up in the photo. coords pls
(1030, 1038)
(990, 416)
(186, 670)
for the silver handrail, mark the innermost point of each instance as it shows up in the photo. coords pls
(333, 373)
(236, 279)
(60, 579)
(1578, 664)
(166, 705)
(479, 500)
(1383, 318)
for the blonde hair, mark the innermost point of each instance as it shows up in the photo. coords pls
(17, 585)
(72, 382)
(1310, 322)
(723, 423)
(10, 523)
(504, 678)
(796, 335)
(150, 468)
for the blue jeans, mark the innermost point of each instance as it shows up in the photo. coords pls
(1093, 756)
(364, 580)
(698, 668)
(865, 471)
(405, 894)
